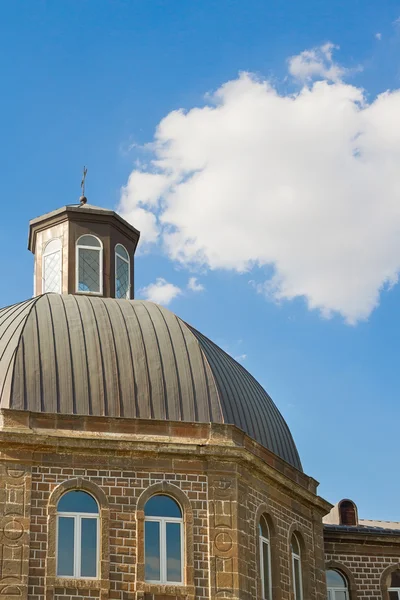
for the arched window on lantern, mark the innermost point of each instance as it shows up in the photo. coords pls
(52, 267)
(89, 265)
(265, 559)
(122, 272)
(347, 513)
(78, 536)
(297, 572)
(336, 583)
(163, 540)
(394, 588)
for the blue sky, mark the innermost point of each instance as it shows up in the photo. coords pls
(89, 82)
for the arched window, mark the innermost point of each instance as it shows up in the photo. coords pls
(337, 586)
(122, 272)
(163, 540)
(265, 559)
(394, 589)
(89, 265)
(347, 513)
(77, 535)
(52, 267)
(296, 568)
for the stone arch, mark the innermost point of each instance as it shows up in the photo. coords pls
(104, 514)
(305, 553)
(169, 489)
(345, 571)
(264, 509)
(385, 579)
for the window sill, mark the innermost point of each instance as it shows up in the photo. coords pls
(70, 582)
(177, 591)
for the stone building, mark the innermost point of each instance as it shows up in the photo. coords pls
(139, 461)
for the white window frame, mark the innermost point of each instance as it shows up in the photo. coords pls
(78, 246)
(297, 557)
(263, 540)
(395, 589)
(128, 262)
(163, 548)
(47, 253)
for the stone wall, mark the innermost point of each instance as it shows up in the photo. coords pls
(222, 487)
(366, 564)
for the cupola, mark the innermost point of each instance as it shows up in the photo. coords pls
(83, 249)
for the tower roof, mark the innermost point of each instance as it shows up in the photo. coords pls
(77, 211)
(67, 354)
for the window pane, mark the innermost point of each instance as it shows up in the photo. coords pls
(52, 272)
(340, 595)
(295, 545)
(89, 240)
(88, 547)
(335, 579)
(266, 580)
(152, 550)
(395, 580)
(174, 558)
(121, 278)
(297, 579)
(162, 506)
(77, 501)
(89, 270)
(65, 547)
(121, 251)
(264, 531)
(393, 596)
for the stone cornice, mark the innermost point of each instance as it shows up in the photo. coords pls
(31, 432)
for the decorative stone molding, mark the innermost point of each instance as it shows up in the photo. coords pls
(223, 494)
(52, 581)
(265, 510)
(15, 491)
(149, 590)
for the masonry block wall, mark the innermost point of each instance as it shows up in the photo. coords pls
(367, 566)
(222, 488)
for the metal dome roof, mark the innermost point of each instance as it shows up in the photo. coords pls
(85, 355)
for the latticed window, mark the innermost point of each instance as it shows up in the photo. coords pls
(394, 589)
(296, 568)
(52, 267)
(265, 559)
(163, 540)
(122, 272)
(89, 265)
(337, 586)
(77, 536)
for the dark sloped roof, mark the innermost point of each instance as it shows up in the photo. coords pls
(128, 358)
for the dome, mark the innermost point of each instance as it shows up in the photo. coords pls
(70, 354)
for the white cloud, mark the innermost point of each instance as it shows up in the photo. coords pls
(241, 357)
(160, 292)
(378, 36)
(306, 183)
(316, 63)
(194, 286)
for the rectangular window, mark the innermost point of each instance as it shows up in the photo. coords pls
(298, 592)
(88, 547)
(152, 551)
(66, 546)
(89, 270)
(174, 552)
(266, 571)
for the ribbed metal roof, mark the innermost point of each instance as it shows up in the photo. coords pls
(128, 358)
